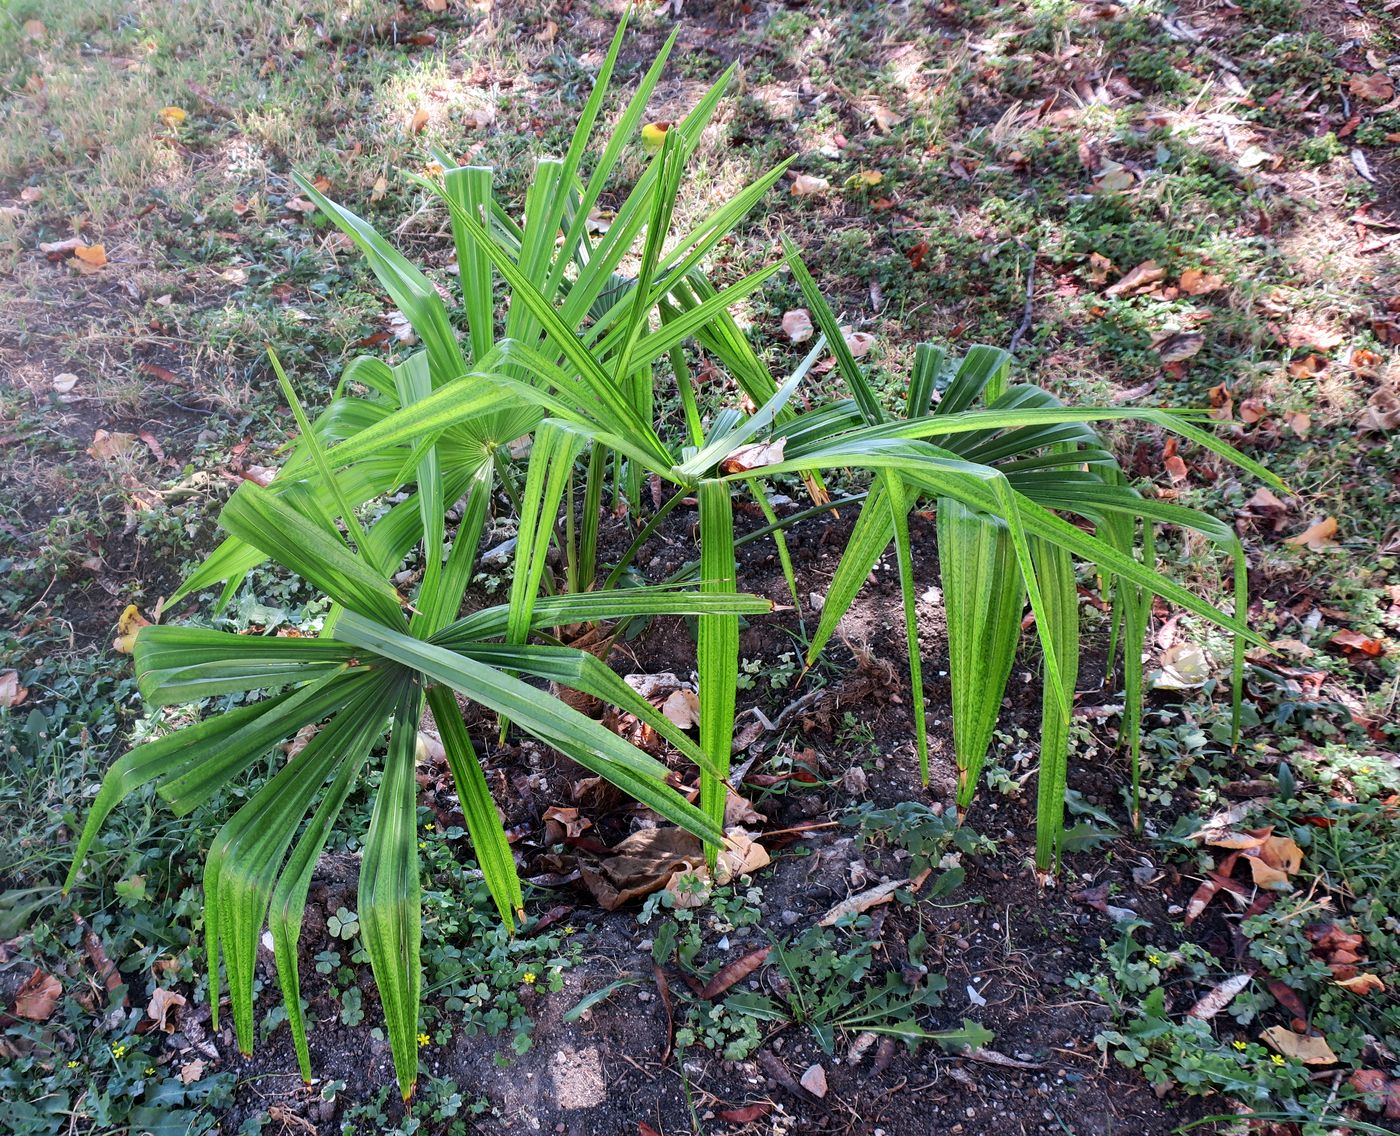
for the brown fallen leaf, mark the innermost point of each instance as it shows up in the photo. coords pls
(733, 972)
(11, 693)
(1298, 421)
(1363, 984)
(859, 342)
(747, 1114)
(1178, 346)
(1138, 279)
(162, 1008)
(1381, 1091)
(1353, 644)
(1375, 88)
(797, 325)
(862, 901)
(418, 121)
(754, 456)
(1198, 282)
(1099, 268)
(107, 444)
(38, 997)
(93, 255)
(192, 1071)
(808, 185)
(1317, 537)
(1220, 996)
(1300, 1047)
(682, 707)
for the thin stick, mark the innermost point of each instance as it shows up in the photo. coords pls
(1025, 325)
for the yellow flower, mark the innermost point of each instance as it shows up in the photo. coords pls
(150, 1070)
(423, 1039)
(570, 930)
(1277, 1060)
(422, 844)
(118, 1049)
(1240, 1045)
(429, 827)
(529, 977)
(72, 1064)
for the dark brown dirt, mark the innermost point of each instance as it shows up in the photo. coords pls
(998, 937)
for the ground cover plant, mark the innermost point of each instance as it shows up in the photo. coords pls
(604, 407)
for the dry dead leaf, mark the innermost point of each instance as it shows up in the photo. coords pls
(1317, 537)
(1376, 88)
(885, 119)
(435, 5)
(1178, 346)
(797, 325)
(300, 205)
(1300, 1047)
(861, 901)
(11, 693)
(808, 185)
(379, 189)
(162, 1006)
(1218, 997)
(1138, 279)
(107, 445)
(1363, 984)
(1198, 282)
(1353, 644)
(754, 456)
(682, 707)
(38, 997)
(418, 121)
(733, 972)
(741, 856)
(1298, 421)
(95, 256)
(1099, 269)
(191, 1071)
(128, 627)
(172, 116)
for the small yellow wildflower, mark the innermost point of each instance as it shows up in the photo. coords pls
(423, 1039)
(429, 827)
(422, 844)
(150, 1070)
(1240, 1045)
(529, 977)
(72, 1064)
(1155, 960)
(1276, 1059)
(118, 1049)
(570, 930)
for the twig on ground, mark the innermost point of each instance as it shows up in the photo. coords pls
(1027, 315)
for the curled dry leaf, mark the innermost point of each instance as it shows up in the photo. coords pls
(1318, 537)
(733, 972)
(748, 1113)
(860, 342)
(1355, 645)
(11, 693)
(64, 383)
(808, 185)
(192, 1071)
(797, 325)
(94, 256)
(1138, 279)
(754, 456)
(682, 707)
(38, 997)
(1363, 984)
(172, 116)
(418, 121)
(861, 901)
(107, 445)
(128, 627)
(162, 1008)
(1375, 88)
(1198, 282)
(1300, 1047)
(1178, 346)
